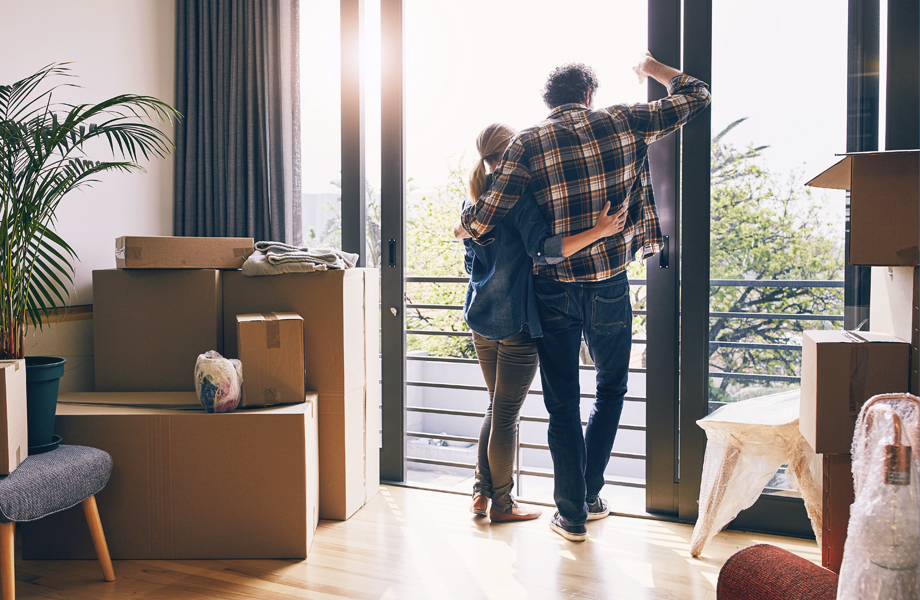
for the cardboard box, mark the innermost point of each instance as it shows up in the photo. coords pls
(149, 326)
(840, 371)
(14, 421)
(341, 319)
(332, 306)
(137, 252)
(349, 452)
(884, 205)
(270, 346)
(190, 485)
(187, 401)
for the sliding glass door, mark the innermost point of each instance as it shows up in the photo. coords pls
(754, 258)
(465, 66)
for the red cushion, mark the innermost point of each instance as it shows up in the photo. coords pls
(765, 572)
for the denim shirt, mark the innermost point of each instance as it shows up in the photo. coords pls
(500, 300)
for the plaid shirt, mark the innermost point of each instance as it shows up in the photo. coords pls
(578, 159)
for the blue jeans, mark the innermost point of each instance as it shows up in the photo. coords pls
(602, 312)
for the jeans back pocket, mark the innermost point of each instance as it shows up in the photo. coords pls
(553, 305)
(611, 314)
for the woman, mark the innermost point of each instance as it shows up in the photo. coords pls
(501, 310)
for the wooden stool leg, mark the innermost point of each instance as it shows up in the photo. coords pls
(7, 568)
(95, 530)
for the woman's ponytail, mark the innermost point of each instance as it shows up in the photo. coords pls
(478, 179)
(491, 143)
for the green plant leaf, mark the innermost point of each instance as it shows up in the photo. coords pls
(43, 158)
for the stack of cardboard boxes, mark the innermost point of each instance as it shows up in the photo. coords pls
(340, 311)
(843, 369)
(245, 484)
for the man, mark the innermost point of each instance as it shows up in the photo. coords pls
(574, 162)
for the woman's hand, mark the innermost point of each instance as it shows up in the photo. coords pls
(608, 225)
(460, 233)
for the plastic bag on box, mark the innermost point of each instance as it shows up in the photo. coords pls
(881, 557)
(746, 442)
(218, 382)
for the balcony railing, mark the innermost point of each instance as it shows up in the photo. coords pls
(521, 471)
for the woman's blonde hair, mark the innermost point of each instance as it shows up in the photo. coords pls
(491, 143)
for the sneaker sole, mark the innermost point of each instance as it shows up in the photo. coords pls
(572, 537)
(596, 516)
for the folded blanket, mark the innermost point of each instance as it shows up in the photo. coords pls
(273, 258)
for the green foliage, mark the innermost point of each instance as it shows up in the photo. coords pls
(42, 159)
(432, 251)
(762, 228)
(717, 394)
(766, 229)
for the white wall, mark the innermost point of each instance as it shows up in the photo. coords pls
(116, 46)
(891, 301)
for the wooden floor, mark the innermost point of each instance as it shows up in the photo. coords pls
(410, 543)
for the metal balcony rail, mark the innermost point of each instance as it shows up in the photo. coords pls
(519, 471)
(758, 283)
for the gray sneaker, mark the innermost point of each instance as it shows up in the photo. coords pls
(573, 533)
(598, 509)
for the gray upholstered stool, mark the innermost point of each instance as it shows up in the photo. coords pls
(48, 483)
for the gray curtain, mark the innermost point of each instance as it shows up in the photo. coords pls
(238, 143)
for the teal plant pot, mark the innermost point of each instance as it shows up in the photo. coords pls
(43, 374)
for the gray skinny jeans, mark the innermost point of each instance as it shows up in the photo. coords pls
(509, 367)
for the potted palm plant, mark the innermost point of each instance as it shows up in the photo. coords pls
(45, 152)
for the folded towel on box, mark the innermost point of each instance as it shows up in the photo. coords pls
(274, 258)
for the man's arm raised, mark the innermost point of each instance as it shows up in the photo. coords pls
(687, 97)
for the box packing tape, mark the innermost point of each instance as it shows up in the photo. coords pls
(859, 364)
(129, 253)
(272, 331)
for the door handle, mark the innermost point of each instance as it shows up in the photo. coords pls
(391, 253)
(663, 256)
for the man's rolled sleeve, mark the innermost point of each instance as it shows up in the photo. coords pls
(687, 97)
(552, 251)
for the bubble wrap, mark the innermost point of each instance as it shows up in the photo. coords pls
(747, 441)
(218, 382)
(880, 557)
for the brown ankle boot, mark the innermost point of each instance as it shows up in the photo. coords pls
(480, 505)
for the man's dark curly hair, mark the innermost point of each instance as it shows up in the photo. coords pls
(569, 83)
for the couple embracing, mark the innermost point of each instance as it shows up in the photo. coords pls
(549, 231)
